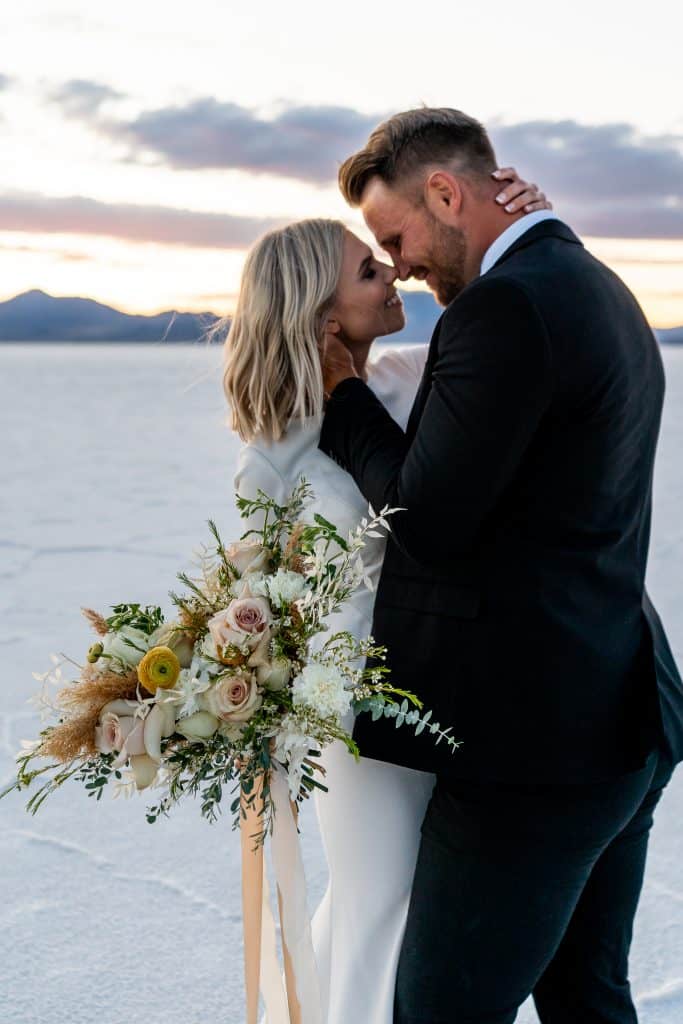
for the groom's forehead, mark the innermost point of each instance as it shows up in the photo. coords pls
(383, 208)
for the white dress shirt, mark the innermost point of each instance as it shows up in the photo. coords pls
(511, 234)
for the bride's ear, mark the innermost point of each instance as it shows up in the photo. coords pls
(332, 325)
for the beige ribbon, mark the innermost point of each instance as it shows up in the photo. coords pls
(262, 974)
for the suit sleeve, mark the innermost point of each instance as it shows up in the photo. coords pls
(490, 385)
(256, 473)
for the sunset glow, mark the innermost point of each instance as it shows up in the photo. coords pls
(142, 155)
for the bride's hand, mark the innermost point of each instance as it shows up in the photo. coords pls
(519, 195)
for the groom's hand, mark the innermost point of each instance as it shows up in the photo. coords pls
(337, 363)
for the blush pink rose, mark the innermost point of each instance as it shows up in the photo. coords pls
(233, 698)
(122, 732)
(244, 623)
(249, 614)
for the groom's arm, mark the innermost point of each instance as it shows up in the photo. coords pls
(491, 383)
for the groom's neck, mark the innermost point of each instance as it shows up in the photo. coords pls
(490, 222)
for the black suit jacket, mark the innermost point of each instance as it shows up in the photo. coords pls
(512, 594)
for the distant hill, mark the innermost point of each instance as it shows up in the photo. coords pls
(670, 335)
(37, 316)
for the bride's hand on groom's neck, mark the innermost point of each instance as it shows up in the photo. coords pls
(519, 196)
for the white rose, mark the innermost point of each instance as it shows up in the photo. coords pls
(275, 674)
(322, 688)
(114, 645)
(200, 726)
(172, 635)
(231, 730)
(247, 556)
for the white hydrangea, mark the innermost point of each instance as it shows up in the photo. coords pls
(282, 587)
(252, 584)
(322, 688)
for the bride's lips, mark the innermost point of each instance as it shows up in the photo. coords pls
(394, 301)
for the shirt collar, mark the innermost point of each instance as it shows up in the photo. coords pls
(510, 236)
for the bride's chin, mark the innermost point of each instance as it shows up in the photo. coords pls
(396, 323)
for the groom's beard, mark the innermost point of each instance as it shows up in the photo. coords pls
(447, 262)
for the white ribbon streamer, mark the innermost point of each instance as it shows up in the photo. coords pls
(300, 966)
(272, 989)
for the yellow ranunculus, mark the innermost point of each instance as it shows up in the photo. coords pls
(159, 669)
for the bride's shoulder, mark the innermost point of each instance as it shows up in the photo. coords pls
(257, 469)
(399, 361)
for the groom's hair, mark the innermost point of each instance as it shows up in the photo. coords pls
(408, 142)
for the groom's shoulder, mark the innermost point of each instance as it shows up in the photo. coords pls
(491, 297)
(541, 262)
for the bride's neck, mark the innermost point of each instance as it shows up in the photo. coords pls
(359, 354)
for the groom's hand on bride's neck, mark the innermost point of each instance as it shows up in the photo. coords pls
(337, 363)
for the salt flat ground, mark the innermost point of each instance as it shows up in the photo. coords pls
(113, 458)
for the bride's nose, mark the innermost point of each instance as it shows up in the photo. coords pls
(390, 273)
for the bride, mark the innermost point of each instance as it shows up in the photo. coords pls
(298, 282)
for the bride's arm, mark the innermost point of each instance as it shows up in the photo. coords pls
(256, 473)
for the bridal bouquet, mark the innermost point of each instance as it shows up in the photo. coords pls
(231, 687)
(243, 687)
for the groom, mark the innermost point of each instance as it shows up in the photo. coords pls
(512, 596)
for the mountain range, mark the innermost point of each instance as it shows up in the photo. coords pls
(37, 316)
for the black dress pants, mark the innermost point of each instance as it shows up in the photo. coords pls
(527, 889)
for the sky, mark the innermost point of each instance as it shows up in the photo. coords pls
(145, 145)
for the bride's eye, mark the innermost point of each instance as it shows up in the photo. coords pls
(370, 273)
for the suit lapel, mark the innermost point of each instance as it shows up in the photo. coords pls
(423, 389)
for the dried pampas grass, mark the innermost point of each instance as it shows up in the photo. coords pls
(82, 702)
(97, 621)
(290, 558)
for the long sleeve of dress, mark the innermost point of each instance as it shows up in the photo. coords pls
(256, 473)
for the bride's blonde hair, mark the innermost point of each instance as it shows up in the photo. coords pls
(272, 362)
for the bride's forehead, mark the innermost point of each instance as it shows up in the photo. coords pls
(355, 248)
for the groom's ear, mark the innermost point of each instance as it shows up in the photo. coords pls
(443, 196)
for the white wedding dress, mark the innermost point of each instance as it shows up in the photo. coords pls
(370, 818)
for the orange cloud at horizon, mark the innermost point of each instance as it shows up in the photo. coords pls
(150, 277)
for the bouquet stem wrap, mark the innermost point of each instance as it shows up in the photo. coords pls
(301, 1004)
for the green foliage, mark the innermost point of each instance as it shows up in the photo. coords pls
(134, 615)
